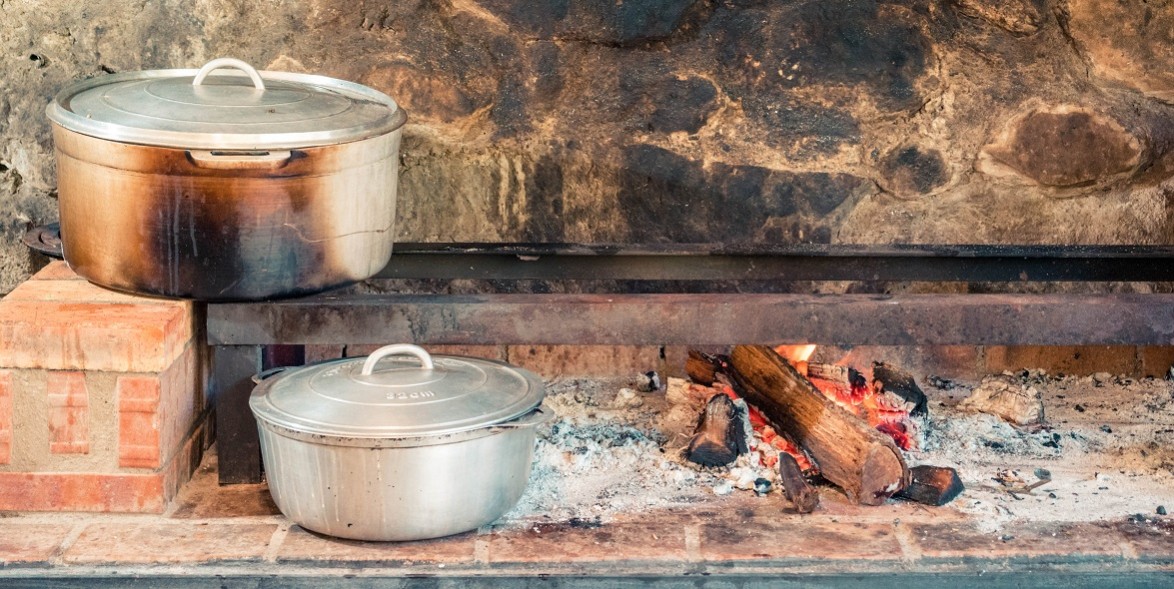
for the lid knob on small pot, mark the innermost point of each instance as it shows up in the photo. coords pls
(395, 349)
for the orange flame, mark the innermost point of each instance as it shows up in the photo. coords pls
(796, 353)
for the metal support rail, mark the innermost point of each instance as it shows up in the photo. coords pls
(693, 262)
(248, 336)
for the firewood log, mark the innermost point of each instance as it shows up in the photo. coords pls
(701, 367)
(720, 435)
(895, 381)
(932, 485)
(798, 491)
(856, 457)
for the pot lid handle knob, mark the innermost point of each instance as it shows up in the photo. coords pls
(228, 62)
(395, 350)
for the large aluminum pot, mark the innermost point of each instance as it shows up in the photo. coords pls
(225, 183)
(400, 445)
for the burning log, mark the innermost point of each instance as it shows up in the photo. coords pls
(886, 410)
(801, 494)
(720, 435)
(701, 367)
(862, 461)
(932, 485)
(893, 380)
(842, 375)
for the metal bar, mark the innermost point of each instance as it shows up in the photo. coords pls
(805, 249)
(701, 319)
(334, 575)
(895, 263)
(237, 443)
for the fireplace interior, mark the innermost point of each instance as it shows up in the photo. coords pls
(970, 199)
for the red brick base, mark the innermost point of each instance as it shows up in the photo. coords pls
(109, 391)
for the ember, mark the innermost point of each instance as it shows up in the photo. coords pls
(887, 411)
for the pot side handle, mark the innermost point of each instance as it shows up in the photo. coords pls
(265, 374)
(396, 350)
(541, 415)
(228, 62)
(239, 160)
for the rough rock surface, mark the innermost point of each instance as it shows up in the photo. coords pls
(1067, 147)
(690, 120)
(1130, 42)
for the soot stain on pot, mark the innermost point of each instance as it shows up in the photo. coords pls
(208, 233)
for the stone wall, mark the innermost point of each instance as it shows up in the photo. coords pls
(983, 121)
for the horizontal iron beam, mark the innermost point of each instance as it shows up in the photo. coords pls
(890, 263)
(700, 319)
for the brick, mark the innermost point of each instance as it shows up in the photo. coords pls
(162, 542)
(21, 491)
(1080, 360)
(56, 270)
(59, 323)
(1016, 541)
(84, 336)
(138, 421)
(799, 540)
(302, 546)
(6, 394)
(1152, 540)
(1155, 360)
(79, 291)
(26, 544)
(947, 361)
(179, 467)
(69, 401)
(321, 352)
(562, 542)
(181, 401)
(597, 361)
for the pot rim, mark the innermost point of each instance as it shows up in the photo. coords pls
(539, 416)
(60, 113)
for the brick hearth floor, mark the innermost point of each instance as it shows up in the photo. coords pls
(212, 535)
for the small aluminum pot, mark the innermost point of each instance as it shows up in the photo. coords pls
(400, 446)
(225, 183)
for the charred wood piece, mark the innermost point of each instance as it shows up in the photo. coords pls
(702, 368)
(932, 485)
(798, 491)
(855, 456)
(845, 375)
(890, 379)
(720, 436)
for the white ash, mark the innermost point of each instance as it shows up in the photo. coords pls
(607, 452)
(1109, 451)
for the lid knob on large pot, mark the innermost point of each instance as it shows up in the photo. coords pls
(398, 391)
(228, 62)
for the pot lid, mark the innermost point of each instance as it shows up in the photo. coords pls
(224, 105)
(397, 391)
